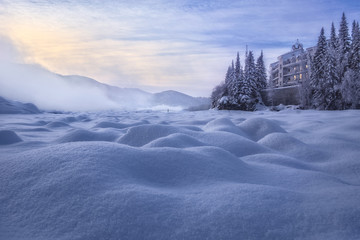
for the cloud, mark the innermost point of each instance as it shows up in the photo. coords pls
(9, 53)
(49, 91)
(162, 44)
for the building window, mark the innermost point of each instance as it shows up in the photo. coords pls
(294, 77)
(300, 76)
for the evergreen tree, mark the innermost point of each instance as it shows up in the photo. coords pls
(333, 52)
(261, 72)
(335, 69)
(241, 88)
(217, 94)
(354, 59)
(344, 46)
(357, 64)
(232, 84)
(223, 94)
(261, 77)
(238, 80)
(318, 73)
(228, 80)
(237, 66)
(350, 86)
(332, 90)
(344, 38)
(249, 91)
(228, 76)
(333, 38)
(350, 89)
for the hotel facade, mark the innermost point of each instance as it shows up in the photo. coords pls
(291, 68)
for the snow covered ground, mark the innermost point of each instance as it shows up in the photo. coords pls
(180, 175)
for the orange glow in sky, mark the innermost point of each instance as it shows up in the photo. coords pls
(159, 45)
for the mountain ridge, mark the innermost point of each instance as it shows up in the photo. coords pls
(51, 91)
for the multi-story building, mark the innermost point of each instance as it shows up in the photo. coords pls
(292, 67)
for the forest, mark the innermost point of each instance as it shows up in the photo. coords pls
(333, 82)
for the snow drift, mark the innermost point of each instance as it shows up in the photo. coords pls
(185, 175)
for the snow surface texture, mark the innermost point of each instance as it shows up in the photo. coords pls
(185, 175)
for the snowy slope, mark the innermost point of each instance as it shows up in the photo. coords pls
(13, 107)
(174, 98)
(130, 98)
(137, 98)
(180, 175)
(50, 91)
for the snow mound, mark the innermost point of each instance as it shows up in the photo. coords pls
(111, 125)
(38, 123)
(57, 124)
(281, 141)
(284, 143)
(257, 128)
(107, 124)
(141, 135)
(88, 190)
(38, 129)
(79, 185)
(280, 160)
(80, 135)
(184, 175)
(69, 119)
(8, 137)
(224, 124)
(79, 118)
(176, 140)
(235, 144)
(12, 107)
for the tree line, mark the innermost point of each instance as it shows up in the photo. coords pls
(242, 85)
(334, 82)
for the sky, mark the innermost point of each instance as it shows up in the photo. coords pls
(156, 45)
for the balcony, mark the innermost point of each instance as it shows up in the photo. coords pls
(275, 71)
(291, 73)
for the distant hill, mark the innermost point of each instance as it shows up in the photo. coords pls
(174, 98)
(54, 92)
(142, 98)
(123, 96)
(13, 107)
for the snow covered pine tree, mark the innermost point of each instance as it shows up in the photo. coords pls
(241, 89)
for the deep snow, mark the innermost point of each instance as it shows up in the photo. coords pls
(180, 175)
